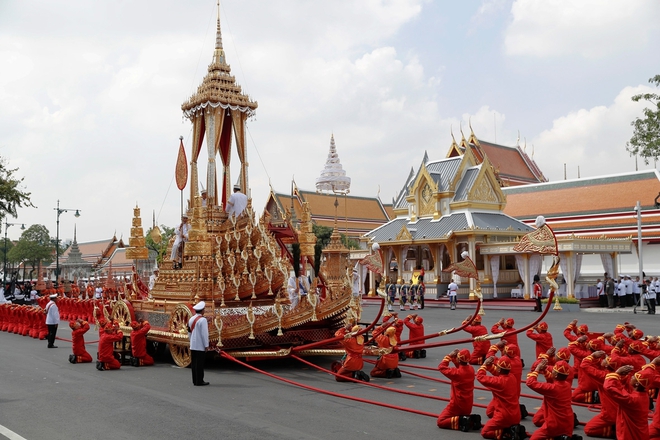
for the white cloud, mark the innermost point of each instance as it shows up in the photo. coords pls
(593, 139)
(588, 28)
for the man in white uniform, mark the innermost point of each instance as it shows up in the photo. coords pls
(297, 287)
(52, 320)
(236, 203)
(198, 329)
(453, 290)
(600, 290)
(650, 296)
(180, 238)
(152, 279)
(621, 293)
(357, 292)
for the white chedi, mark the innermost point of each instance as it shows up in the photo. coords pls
(333, 177)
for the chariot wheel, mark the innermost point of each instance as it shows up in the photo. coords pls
(122, 312)
(178, 324)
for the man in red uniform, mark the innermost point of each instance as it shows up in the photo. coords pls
(597, 366)
(351, 364)
(631, 400)
(542, 337)
(80, 355)
(387, 363)
(415, 324)
(507, 326)
(556, 400)
(630, 356)
(107, 337)
(586, 390)
(654, 428)
(506, 416)
(140, 357)
(457, 414)
(480, 347)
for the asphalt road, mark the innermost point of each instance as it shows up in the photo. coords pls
(43, 396)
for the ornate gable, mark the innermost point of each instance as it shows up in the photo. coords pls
(485, 190)
(423, 194)
(404, 234)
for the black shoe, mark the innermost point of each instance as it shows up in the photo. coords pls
(402, 356)
(523, 411)
(415, 354)
(201, 384)
(397, 373)
(135, 361)
(52, 346)
(389, 373)
(72, 358)
(522, 361)
(361, 375)
(422, 354)
(464, 423)
(576, 422)
(562, 437)
(518, 432)
(475, 422)
(576, 437)
(99, 366)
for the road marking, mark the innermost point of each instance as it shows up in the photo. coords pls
(11, 435)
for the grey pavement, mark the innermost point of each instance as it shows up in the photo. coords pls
(43, 396)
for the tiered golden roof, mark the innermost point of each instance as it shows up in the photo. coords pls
(137, 249)
(219, 87)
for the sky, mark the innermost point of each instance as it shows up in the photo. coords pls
(91, 93)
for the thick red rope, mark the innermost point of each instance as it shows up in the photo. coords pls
(330, 393)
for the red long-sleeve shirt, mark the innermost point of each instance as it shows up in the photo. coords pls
(139, 341)
(557, 401)
(462, 387)
(632, 409)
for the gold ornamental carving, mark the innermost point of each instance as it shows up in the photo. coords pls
(426, 203)
(484, 192)
(404, 234)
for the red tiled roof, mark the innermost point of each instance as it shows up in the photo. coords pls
(596, 206)
(512, 164)
(357, 214)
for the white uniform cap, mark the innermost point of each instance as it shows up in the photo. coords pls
(53, 296)
(199, 306)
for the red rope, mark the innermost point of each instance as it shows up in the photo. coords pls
(69, 340)
(457, 329)
(339, 338)
(319, 390)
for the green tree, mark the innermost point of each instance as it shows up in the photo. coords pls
(645, 141)
(160, 248)
(34, 246)
(12, 196)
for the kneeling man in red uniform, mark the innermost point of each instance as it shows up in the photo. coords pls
(139, 344)
(80, 355)
(457, 415)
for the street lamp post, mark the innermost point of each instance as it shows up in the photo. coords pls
(57, 239)
(4, 271)
(638, 210)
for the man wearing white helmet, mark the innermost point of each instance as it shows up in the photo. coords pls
(198, 329)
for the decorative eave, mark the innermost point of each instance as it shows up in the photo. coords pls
(573, 243)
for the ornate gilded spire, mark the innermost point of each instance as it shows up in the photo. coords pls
(219, 55)
(219, 87)
(333, 177)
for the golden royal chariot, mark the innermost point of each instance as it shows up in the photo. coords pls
(238, 265)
